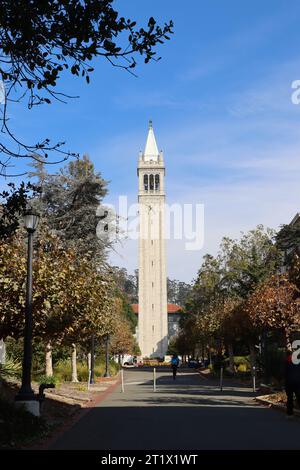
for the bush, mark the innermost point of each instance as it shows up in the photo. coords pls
(63, 370)
(10, 369)
(241, 364)
(242, 360)
(14, 350)
(45, 379)
(242, 368)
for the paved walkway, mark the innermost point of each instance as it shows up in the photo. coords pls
(189, 413)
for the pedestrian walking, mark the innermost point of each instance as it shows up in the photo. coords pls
(174, 364)
(292, 384)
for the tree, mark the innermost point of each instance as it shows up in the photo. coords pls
(248, 261)
(69, 202)
(41, 40)
(188, 337)
(236, 324)
(288, 238)
(13, 202)
(127, 283)
(122, 341)
(224, 283)
(70, 299)
(127, 312)
(275, 304)
(178, 291)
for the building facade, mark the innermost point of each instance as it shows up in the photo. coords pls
(153, 319)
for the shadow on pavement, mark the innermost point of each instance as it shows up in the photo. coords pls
(196, 428)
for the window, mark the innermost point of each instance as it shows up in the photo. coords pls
(151, 182)
(146, 182)
(156, 182)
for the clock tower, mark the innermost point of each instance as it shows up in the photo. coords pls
(152, 314)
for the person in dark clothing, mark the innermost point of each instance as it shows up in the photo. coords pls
(292, 383)
(174, 364)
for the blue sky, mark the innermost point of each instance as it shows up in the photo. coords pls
(220, 101)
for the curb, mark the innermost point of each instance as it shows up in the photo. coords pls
(83, 411)
(203, 376)
(278, 406)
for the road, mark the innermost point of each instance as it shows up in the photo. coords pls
(187, 414)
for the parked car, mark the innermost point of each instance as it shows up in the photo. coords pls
(194, 363)
(130, 361)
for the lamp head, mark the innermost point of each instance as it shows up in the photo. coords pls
(31, 220)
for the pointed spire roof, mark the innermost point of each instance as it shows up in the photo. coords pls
(151, 151)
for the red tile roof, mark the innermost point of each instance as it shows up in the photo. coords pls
(172, 308)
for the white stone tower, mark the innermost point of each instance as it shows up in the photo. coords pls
(153, 316)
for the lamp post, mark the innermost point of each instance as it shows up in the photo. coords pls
(26, 394)
(107, 374)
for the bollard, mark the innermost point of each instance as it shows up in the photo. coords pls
(154, 379)
(221, 379)
(254, 380)
(122, 381)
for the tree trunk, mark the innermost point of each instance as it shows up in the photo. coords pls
(89, 361)
(2, 352)
(49, 367)
(231, 357)
(74, 363)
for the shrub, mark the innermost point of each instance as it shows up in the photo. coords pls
(63, 370)
(10, 369)
(46, 379)
(242, 360)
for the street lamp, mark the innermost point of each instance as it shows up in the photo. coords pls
(26, 394)
(107, 374)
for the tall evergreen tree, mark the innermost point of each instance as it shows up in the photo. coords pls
(69, 202)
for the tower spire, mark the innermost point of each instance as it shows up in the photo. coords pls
(151, 150)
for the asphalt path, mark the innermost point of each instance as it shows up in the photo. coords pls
(190, 413)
